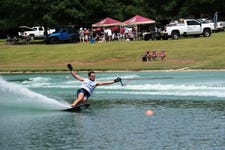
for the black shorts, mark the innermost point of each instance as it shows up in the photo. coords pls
(86, 93)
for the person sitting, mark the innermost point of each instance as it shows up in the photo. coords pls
(27, 39)
(154, 54)
(147, 56)
(15, 40)
(162, 54)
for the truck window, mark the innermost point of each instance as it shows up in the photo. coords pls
(71, 30)
(192, 23)
(40, 29)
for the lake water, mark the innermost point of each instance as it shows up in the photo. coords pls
(189, 112)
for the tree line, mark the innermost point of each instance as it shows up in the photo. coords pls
(14, 13)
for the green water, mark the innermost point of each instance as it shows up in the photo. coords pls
(189, 112)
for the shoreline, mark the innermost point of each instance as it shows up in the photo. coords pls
(65, 71)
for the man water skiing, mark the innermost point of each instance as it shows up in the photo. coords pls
(88, 85)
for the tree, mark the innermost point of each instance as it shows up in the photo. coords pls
(14, 13)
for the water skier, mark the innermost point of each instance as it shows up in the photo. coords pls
(88, 85)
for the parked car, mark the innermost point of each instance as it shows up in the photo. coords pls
(220, 25)
(22, 31)
(186, 27)
(34, 32)
(63, 34)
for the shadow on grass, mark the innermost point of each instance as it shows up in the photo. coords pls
(32, 42)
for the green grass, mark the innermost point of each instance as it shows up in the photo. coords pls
(194, 53)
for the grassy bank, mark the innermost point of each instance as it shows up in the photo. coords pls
(192, 53)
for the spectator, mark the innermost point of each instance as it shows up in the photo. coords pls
(86, 34)
(105, 34)
(27, 39)
(122, 33)
(115, 33)
(109, 32)
(154, 54)
(130, 34)
(15, 40)
(126, 33)
(98, 36)
(162, 54)
(147, 56)
(81, 34)
(8, 40)
(135, 32)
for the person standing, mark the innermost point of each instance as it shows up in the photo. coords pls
(81, 34)
(86, 35)
(122, 33)
(109, 34)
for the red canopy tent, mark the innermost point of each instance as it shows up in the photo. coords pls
(136, 20)
(107, 22)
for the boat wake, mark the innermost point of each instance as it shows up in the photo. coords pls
(15, 96)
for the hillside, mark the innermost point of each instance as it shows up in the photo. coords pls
(191, 53)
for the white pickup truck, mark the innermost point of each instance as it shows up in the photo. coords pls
(185, 28)
(34, 32)
(220, 25)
